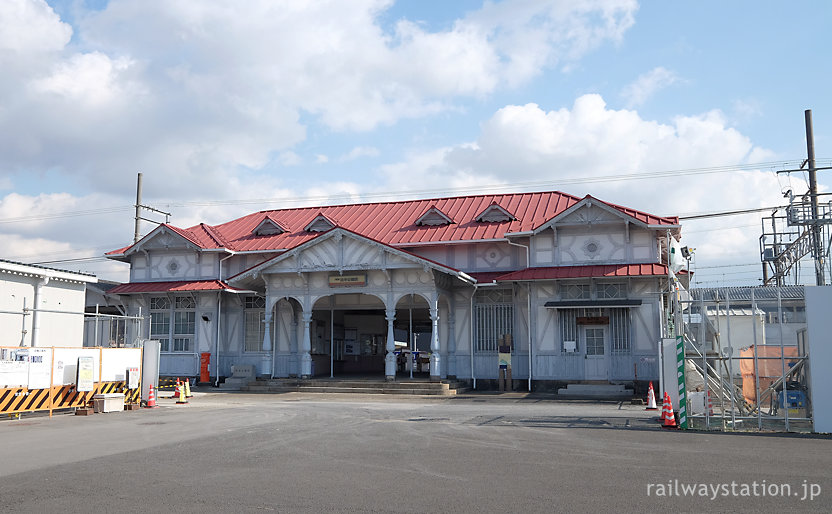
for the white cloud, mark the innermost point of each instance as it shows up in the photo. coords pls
(358, 152)
(193, 93)
(583, 150)
(31, 26)
(91, 79)
(648, 84)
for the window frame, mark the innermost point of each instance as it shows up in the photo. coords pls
(254, 306)
(178, 313)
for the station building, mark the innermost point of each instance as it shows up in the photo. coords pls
(574, 286)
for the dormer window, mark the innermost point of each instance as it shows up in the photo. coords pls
(495, 214)
(320, 224)
(268, 227)
(434, 217)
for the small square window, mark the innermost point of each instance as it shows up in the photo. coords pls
(255, 302)
(184, 302)
(577, 292)
(159, 303)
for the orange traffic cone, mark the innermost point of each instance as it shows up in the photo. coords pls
(176, 391)
(667, 412)
(651, 399)
(151, 399)
(180, 395)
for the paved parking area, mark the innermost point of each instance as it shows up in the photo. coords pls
(312, 453)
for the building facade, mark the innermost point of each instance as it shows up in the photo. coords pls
(41, 306)
(573, 286)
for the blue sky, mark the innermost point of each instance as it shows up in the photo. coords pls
(231, 107)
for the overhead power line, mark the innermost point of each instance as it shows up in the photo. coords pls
(66, 214)
(765, 166)
(717, 214)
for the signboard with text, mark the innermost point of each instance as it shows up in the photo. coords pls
(351, 280)
(85, 378)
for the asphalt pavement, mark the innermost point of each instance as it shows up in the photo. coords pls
(237, 452)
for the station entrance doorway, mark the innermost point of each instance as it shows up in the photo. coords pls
(349, 337)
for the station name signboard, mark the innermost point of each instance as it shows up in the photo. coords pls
(351, 280)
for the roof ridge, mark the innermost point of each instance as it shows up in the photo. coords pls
(215, 234)
(431, 199)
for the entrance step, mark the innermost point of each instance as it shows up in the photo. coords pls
(424, 388)
(596, 391)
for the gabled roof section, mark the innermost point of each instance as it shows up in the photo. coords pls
(320, 223)
(173, 287)
(434, 217)
(338, 233)
(392, 223)
(268, 227)
(189, 237)
(637, 217)
(494, 213)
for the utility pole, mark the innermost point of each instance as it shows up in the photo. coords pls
(139, 207)
(817, 248)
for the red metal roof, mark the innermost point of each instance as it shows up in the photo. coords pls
(172, 287)
(393, 223)
(603, 270)
(486, 276)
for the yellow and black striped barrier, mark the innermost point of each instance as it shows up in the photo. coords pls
(16, 400)
(19, 399)
(168, 383)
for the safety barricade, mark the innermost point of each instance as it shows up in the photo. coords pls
(39, 367)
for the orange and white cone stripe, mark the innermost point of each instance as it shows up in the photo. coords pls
(667, 412)
(651, 399)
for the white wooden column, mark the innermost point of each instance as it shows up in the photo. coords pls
(390, 357)
(267, 337)
(451, 364)
(267, 343)
(294, 370)
(434, 344)
(306, 347)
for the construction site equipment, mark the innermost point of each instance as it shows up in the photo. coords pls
(180, 395)
(742, 357)
(651, 398)
(151, 399)
(44, 379)
(668, 419)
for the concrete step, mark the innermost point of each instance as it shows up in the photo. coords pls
(610, 391)
(356, 387)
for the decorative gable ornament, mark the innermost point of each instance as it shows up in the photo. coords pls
(495, 214)
(320, 224)
(434, 217)
(268, 227)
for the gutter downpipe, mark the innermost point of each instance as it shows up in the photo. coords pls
(473, 294)
(219, 321)
(529, 305)
(42, 281)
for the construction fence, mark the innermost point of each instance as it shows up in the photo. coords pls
(742, 359)
(112, 330)
(48, 379)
